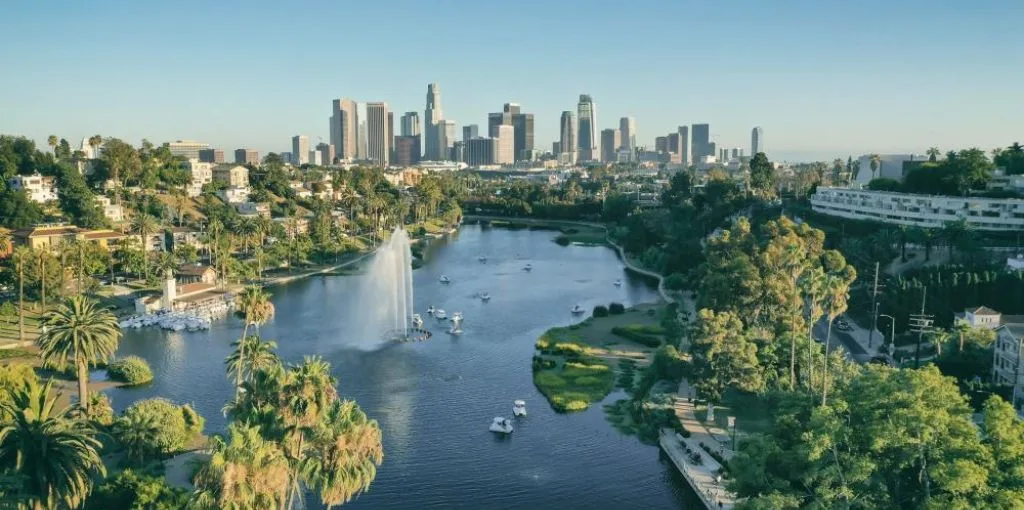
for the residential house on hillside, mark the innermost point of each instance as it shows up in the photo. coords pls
(39, 189)
(52, 236)
(261, 209)
(235, 176)
(111, 211)
(202, 173)
(183, 236)
(196, 273)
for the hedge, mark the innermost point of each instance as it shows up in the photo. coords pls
(131, 370)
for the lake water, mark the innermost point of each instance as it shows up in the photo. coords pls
(435, 399)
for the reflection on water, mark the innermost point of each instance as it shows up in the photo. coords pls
(435, 399)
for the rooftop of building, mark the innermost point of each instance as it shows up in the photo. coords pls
(193, 270)
(982, 310)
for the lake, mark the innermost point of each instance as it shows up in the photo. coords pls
(435, 399)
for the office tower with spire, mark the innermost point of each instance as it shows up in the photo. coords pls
(627, 133)
(609, 141)
(756, 141)
(378, 135)
(586, 134)
(435, 148)
(344, 129)
(567, 138)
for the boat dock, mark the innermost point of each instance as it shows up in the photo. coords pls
(700, 474)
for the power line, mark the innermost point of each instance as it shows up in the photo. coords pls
(921, 323)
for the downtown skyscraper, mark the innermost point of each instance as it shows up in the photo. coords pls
(378, 133)
(522, 124)
(756, 141)
(300, 149)
(627, 133)
(586, 131)
(701, 142)
(435, 146)
(344, 133)
(567, 138)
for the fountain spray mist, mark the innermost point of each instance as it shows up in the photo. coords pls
(385, 307)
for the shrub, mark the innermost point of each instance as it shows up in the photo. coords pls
(616, 309)
(129, 489)
(587, 381)
(156, 427)
(562, 240)
(575, 405)
(600, 311)
(638, 334)
(130, 369)
(549, 380)
(675, 281)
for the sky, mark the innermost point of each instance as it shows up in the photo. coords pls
(824, 79)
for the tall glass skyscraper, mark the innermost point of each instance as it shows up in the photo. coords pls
(756, 141)
(435, 148)
(586, 132)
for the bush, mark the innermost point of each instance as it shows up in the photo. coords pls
(129, 489)
(675, 281)
(642, 335)
(616, 309)
(156, 428)
(600, 311)
(130, 369)
(549, 379)
(562, 240)
(587, 381)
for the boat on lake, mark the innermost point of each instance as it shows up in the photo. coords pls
(501, 425)
(444, 279)
(519, 408)
(618, 283)
(577, 309)
(440, 314)
(485, 297)
(417, 321)
(528, 267)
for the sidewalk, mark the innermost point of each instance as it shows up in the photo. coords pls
(712, 435)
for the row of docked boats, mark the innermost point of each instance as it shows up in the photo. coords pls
(198, 319)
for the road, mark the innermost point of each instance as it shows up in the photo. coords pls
(853, 349)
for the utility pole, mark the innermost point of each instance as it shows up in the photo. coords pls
(920, 323)
(874, 309)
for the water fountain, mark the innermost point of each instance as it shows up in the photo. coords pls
(387, 293)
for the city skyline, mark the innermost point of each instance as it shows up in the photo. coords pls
(806, 76)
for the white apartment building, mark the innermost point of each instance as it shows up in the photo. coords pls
(236, 176)
(234, 194)
(113, 212)
(202, 173)
(929, 211)
(188, 149)
(38, 188)
(1006, 362)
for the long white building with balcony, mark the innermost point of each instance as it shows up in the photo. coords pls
(925, 211)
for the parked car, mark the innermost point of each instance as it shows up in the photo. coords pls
(843, 325)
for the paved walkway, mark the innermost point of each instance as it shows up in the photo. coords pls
(701, 475)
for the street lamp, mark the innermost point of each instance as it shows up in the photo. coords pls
(892, 336)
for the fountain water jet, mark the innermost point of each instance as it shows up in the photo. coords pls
(386, 301)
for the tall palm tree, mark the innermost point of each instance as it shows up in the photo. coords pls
(143, 225)
(933, 154)
(81, 333)
(347, 454)
(95, 141)
(251, 355)
(22, 256)
(961, 328)
(52, 142)
(245, 471)
(876, 164)
(813, 284)
(307, 395)
(57, 455)
(42, 257)
(835, 304)
(255, 308)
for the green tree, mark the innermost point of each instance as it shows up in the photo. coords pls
(21, 258)
(255, 308)
(81, 334)
(762, 176)
(156, 427)
(250, 355)
(136, 491)
(933, 154)
(245, 471)
(876, 165)
(722, 355)
(54, 456)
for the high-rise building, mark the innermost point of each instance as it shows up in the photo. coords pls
(523, 124)
(345, 129)
(661, 144)
(609, 141)
(407, 150)
(556, 148)
(410, 124)
(458, 152)
(701, 142)
(756, 141)
(712, 149)
(497, 119)
(247, 157)
(737, 153)
(300, 149)
(361, 149)
(378, 136)
(673, 147)
(211, 156)
(684, 145)
(504, 145)
(627, 133)
(314, 158)
(479, 151)
(586, 134)
(435, 148)
(188, 149)
(470, 132)
(391, 134)
(326, 151)
(446, 136)
(567, 140)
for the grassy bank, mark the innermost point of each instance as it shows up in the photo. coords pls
(573, 366)
(570, 232)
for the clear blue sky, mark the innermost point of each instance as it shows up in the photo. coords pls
(823, 78)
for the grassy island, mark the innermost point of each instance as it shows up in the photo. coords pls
(573, 366)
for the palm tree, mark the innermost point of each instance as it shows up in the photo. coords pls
(52, 142)
(307, 395)
(58, 456)
(22, 256)
(835, 304)
(876, 164)
(138, 433)
(961, 328)
(347, 454)
(933, 154)
(255, 307)
(813, 284)
(95, 141)
(245, 471)
(143, 225)
(81, 333)
(251, 355)
(42, 259)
